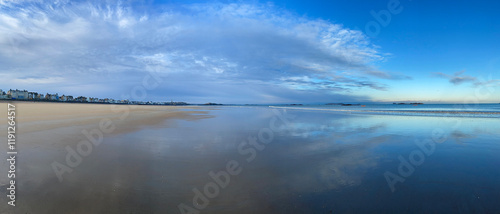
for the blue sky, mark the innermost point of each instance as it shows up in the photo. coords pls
(254, 51)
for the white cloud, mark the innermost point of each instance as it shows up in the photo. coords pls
(88, 41)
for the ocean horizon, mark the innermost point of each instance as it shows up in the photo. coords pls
(485, 110)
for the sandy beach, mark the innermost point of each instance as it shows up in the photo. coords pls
(44, 130)
(35, 117)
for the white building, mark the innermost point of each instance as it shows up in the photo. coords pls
(18, 94)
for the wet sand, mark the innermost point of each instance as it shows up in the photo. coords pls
(43, 132)
(35, 117)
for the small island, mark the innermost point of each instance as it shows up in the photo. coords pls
(407, 103)
(343, 104)
(212, 104)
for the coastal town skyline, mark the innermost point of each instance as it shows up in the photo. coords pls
(254, 52)
(25, 95)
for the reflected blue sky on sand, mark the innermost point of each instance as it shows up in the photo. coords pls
(322, 162)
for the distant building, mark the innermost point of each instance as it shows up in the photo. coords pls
(25, 95)
(65, 98)
(53, 97)
(81, 99)
(92, 100)
(18, 94)
(3, 95)
(31, 95)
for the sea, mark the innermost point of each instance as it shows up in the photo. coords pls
(367, 158)
(434, 110)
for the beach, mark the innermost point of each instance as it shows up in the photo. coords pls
(44, 130)
(126, 117)
(249, 159)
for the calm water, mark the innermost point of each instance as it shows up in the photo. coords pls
(321, 162)
(435, 110)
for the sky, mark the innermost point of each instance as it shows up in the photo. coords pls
(238, 52)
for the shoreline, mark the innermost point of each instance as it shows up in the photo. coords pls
(43, 116)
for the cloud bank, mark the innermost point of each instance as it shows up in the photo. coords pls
(233, 53)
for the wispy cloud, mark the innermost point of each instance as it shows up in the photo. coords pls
(334, 84)
(488, 83)
(38, 80)
(199, 45)
(457, 78)
(387, 75)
